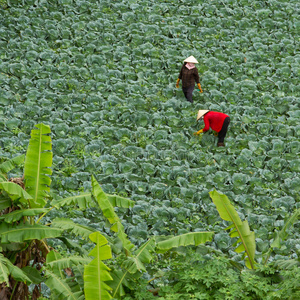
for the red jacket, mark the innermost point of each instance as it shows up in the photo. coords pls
(214, 120)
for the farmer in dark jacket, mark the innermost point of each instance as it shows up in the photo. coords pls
(217, 121)
(189, 75)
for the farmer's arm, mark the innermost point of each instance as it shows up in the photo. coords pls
(206, 123)
(206, 127)
(196, 76)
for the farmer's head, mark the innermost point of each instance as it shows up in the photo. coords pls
(191, 60)
(201, 114)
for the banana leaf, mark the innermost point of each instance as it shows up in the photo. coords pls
(246, 238)
(191, 238)
(61, 287)
(77, 229)
(7, 268)
(15, 192)
(119, 201)
(118, 283)
(38, 164)
(83, 200)
(57, 262)
(109, 213)
(11, 164)
(34, 275)
(133, 264)
(24, 232)
(18, 214)
(5, 203)
(4, 273)
(141, 256)
(73, 245)
(96, 273)
(282, 234)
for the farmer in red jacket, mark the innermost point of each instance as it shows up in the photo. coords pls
(217, 121)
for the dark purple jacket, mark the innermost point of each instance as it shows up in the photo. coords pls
(188, 77)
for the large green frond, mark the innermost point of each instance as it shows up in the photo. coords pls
(141, 256)
(283, 233)
(246, 238)
(77, 229)
(55, 261)
(83, 200)
(5, 203)
(73, 245)
(96, 273)
(18, 273)
(10, 164)
(62, 288)
(109, 213)
(187, 239)
(16, 215)
(15, 192)
(132, 265)
(119, 282)
(25, 232)
(38, 164)
(34, 274)
(4, 273)
(7, 268)
(117, 201)
(104, 203)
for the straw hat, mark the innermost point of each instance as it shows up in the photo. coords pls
(191, 59)
(201, 113)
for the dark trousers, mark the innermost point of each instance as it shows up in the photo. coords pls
(223, 131)
(188, 92)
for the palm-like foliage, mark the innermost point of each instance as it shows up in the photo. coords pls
(38, 164)
(239, 228)
(22, 238)
(72, 227)
(191, 238)
(281, 235)
(245, 237)
(96, 273)
(109, 213)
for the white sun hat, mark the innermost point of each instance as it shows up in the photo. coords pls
(201, 113)
(191, 59)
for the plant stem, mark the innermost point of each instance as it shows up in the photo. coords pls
(11, 297)
(45, 245)
(268, 254)
(42, 216)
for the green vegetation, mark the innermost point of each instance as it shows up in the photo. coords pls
(26, 258)
(101, 75)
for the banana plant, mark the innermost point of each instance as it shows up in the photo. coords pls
(239, 229)
(134, 260)
(281, 235)
(96, 273)
(246, 238)
(24, 251)
(109, 213)
(23, 237)
(38, 164)
(23, 241)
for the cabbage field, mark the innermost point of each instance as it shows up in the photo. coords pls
(102, 74)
